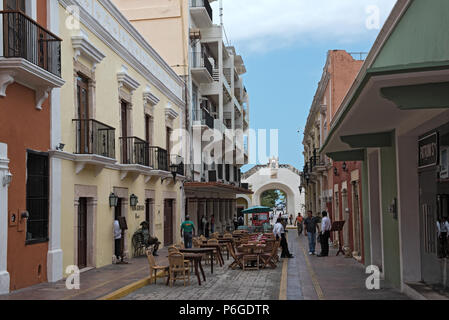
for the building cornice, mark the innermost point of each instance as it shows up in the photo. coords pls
(144, 59)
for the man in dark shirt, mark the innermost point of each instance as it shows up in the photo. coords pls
(311, 226)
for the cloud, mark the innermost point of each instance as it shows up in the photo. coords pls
(266, 24)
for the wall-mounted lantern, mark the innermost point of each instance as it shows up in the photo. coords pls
(133, 201)
(336, 172)
(345, 167)
(7, 179)
(113, 200)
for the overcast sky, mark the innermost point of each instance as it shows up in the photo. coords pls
(284, 44)
(269, 24)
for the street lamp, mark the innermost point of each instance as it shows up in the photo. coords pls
(174, 168)
(113, 200)
(133, 200)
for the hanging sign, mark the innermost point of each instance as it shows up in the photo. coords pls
(428, 151)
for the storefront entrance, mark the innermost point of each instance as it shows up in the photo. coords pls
(434, 203)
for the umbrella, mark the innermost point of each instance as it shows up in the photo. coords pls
(258, 209)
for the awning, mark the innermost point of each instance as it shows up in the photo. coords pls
(215, 187)
(258, 209)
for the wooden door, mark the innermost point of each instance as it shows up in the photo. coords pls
(168, 222)
(82, 233)
(14, 5)
(15, 37)
(124, 131)
(83, 115)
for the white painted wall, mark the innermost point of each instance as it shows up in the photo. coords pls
(54, 256)
(286, 180)
(4, 275)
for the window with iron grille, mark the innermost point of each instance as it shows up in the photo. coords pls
(37, 190)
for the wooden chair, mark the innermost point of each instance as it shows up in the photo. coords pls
(154, 268)
(178, 269)
(174, 249)
(237, 258)
(271, 258)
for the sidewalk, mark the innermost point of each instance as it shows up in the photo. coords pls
(95, 283)
(330, 278)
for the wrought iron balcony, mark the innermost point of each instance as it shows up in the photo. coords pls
(94, 137)
(204, 116)
(24, 38)
(158, 158)
(134, 151)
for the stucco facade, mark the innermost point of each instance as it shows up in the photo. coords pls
(132, 103)
(331, 185)
(395, 119)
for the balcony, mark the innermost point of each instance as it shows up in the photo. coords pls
(94, 137)
(158, 159)
(202, 13)
(202, 69)
(95, 144)
(203, 116)
(31, 55)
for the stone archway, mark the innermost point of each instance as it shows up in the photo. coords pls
(277, 186)
(274, 176)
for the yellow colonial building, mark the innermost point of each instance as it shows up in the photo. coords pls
(119, 107)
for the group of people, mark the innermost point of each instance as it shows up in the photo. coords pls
(311, 226)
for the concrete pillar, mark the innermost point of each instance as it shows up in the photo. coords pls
(4, 275)
(54, 255)
(408, 208)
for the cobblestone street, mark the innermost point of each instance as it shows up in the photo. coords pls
(300, 278)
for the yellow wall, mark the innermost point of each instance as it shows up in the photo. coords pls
(150, 17)
(107, 110)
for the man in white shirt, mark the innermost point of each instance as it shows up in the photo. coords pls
(326, 227)
(279, 232)
(443, 230)
(118, 240)
(278, 229)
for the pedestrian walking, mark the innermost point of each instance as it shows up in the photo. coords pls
(291, 219)
(326, 227)
(236, 222)
(117, 241)
(212, 224)
(241, 222)
(187, 230)
(203, 225)
(280, 233)
(311, 226)
(299, 223)
(443, 231)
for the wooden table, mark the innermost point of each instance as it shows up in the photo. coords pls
(223, 241)
(202, 251)
(196, 259)
(218, 248)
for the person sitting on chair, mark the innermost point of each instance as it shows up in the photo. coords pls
(148, 240)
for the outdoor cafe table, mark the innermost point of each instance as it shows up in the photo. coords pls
(223, 241)
(202, 251)
(196, 259)
(218, 248)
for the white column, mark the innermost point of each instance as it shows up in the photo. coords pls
(4, 275)
(54, 256)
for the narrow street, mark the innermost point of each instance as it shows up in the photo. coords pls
(300, 278)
